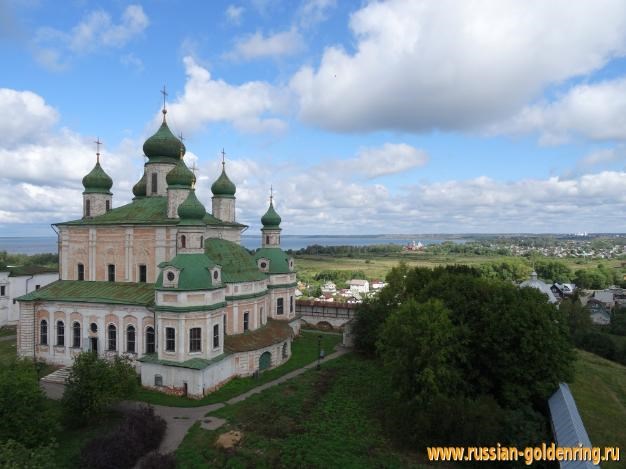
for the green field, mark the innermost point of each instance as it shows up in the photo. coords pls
(377, 266)
(303, 352)
(320, 419)
(600, 392)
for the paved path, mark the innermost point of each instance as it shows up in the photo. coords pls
(180, 419)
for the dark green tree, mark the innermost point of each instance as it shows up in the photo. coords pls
(94, 384)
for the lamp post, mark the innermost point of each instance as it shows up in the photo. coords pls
(319, 351)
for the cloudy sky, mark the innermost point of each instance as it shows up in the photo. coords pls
(436, 116)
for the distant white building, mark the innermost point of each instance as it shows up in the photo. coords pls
(359, 286)
(378, 284)
(543, 287)
(329, 287)
(17, 281)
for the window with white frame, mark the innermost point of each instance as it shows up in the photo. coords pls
(195, 339)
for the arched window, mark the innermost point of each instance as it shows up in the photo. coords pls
(150, 340)
(87, 208)
(112, 337)
(216, 336)
(154, 183)
(43, 332)
(201, 241)
(195, 339)
(183, 241)
(130, 339)
(60, 334)
(267, 240)
(80, 274)
(279, 306)
(246, 320)
(76, 334)
(107, 205)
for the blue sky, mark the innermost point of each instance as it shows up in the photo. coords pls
(366, 117)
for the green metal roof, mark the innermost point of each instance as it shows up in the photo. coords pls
(163, 144)
(223, 186)
(194, 363)
(140, 189)
(279, 261)
(194, 272)
(181, 175)
(142, 211)
(120, 293)
(191, 211)
(97, 181)
(237, 264)
(271, 219)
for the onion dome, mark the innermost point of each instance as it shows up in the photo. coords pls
(163, 144)
(140, 189)
(223, 186)
(97, 181)
(181, 175)
(191, 210)
(271, 219)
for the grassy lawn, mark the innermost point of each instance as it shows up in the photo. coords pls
(317, 420)
(600, 392)
(7, 351)
(8, 330)
(304, 351)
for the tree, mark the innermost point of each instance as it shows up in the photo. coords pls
(554, 271)
(25, 417)
(14, 455)
(418, 347)
(94, 384)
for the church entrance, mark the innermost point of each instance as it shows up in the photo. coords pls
(93, 343)
(265, 361)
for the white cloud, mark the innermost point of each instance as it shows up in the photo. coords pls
(25, 116)
(234, 13)
(390, 158)
(54, 48)
(313, 12)
(256, 46)
(451, 65)
(248, 106)
(132, 61)
(596, 111)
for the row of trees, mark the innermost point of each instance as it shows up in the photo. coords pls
(472, 359)
(48, 259)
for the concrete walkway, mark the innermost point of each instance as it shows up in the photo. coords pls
(180, 419)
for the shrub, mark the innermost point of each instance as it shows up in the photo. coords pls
(158, 461)
(14, 455)
(140, 432)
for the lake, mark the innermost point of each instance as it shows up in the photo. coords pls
(43, 244)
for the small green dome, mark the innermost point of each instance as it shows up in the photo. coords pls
(140, 189)
(191, 209)
(223, 186)
(271, 219)
(97, 181)
(181, 175)
(163, 144)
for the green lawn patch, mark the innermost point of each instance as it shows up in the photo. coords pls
(304, 351)
(599, 388)
(8, 330)
(7, 351)
(327, 418)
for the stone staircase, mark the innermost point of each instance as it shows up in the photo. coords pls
(59, 376)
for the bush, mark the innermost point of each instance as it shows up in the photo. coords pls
(600, 344)
(139, 433)
(14, 455)
(158, 461)
(94, 384)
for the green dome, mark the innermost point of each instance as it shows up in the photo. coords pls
(163, 144)
(140, 189)
(181, 175)
(97, 181)
(191, 210)
(223, 186)
(271, 219)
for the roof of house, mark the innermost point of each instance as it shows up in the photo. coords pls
(279, 261)
(194, 272)
(25, 270)
(124, 293)
(193, 363)
(273, 332)
(237, 264)
(568, 427)
(543, 287)
(141, 211)
(357, 281)
(605, 296)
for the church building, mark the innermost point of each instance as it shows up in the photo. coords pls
(165, 282)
